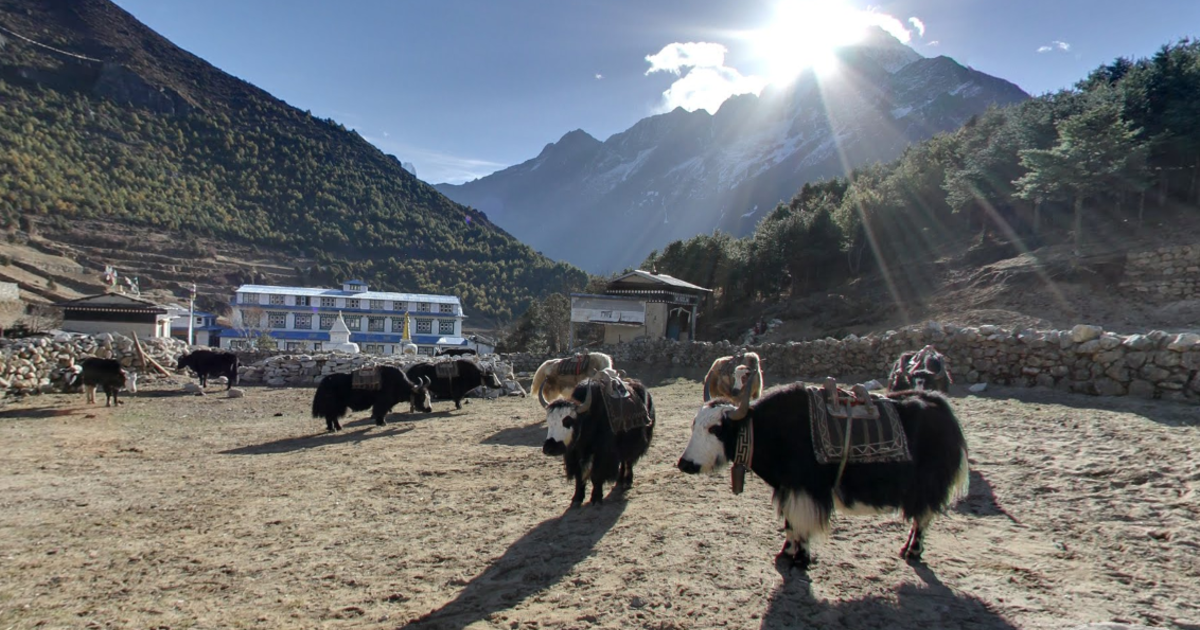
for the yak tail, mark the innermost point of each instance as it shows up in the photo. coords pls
(234, 376)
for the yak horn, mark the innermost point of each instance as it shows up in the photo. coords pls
(743, 408)
(587, 403)
(541, 396)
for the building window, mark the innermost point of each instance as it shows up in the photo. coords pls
(424, 326)
(446, 327)
(303, 321)
(250, 298)
(199, 321)
(276, 299)
(295, 346)
(276, 320)
(328, 302)
(446, 308)
(302, 300)
(375, 324)
(354, 322)
(327, 321)
(316, 346)
(373, 348)
(239, 344)
(397, 324)
(399, 306)
(353, 303)
(377, 305)
(423, 307)
(425, 350)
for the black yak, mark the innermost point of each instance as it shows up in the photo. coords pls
(109, 375)
(451, 380)
(211, 363)
(776, 441)
(389, 386)
(595, 444)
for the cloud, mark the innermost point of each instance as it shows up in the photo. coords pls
(704, 80)
(436, 167)
(917, 24)
(891, 24)
(1054, 45)
(933, 43)
(599, 76)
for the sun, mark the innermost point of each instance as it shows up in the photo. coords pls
(804, 34)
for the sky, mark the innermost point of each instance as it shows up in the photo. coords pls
(463, 88)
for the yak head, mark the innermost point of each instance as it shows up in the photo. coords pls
(562, 423)
(491, 379)
(714, 433)
(741, 380)
(421, 399)
(131, 379)
(184, 363)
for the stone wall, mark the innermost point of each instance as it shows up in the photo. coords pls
(1085, 359)
(307, 370)
(1164, 274)
(33, 365)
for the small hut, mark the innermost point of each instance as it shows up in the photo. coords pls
(640, 304)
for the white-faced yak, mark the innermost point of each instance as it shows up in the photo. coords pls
(557, 378)
(601, 431)
(920, 369)
(728, 375)
(910, 456)
(451, 380)
(379, 389)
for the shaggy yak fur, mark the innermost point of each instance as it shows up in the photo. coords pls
(336, 393)
(578, 428)
(805, 495)
(556, 385)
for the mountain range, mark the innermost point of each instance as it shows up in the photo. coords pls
(105, 123)
(605, 206)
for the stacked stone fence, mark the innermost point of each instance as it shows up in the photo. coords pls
(34, 365)
(1167, 273)
(1085, 359)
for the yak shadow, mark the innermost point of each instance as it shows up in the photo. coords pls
(538, 560)
(934, 605)
(981, 500)
(47, 412)
(318, 440)
(529, 435)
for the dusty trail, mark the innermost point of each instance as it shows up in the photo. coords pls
(209, 512)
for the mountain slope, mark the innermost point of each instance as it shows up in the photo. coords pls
(679, 174)
(102, 118)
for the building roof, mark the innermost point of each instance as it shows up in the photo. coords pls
(365, 295)
(112, 302)
(648, 277)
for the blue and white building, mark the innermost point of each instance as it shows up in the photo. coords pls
(300, 318)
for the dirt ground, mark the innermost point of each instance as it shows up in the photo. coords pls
(177, 511)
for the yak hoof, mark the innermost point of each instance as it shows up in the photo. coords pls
(381, 422)
(912, 553)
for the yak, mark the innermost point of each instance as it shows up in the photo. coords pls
(211, 363)
(451, 380)
(595, 444)
(920, 369)
(728, 375)
(561, 376)
(107, 374)
(337, 392)
(782, 451)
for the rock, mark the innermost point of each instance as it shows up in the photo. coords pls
(1184, 342)
(234, 392)
(977, 388)
(192, 388)
(1085, 332)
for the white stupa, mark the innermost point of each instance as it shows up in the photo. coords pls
(339, 337)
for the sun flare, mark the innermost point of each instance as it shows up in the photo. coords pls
(804, 34)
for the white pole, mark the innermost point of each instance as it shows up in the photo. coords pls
(191, 313)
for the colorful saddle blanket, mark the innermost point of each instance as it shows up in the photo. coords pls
(449, 369)
(628, 412)
(366, 378)
(573, 366)
(873, 425)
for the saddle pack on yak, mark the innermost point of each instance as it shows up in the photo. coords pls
(626, 410)
(366, 377)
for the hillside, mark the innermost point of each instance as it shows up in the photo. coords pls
(105, 122)
(681, 173)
